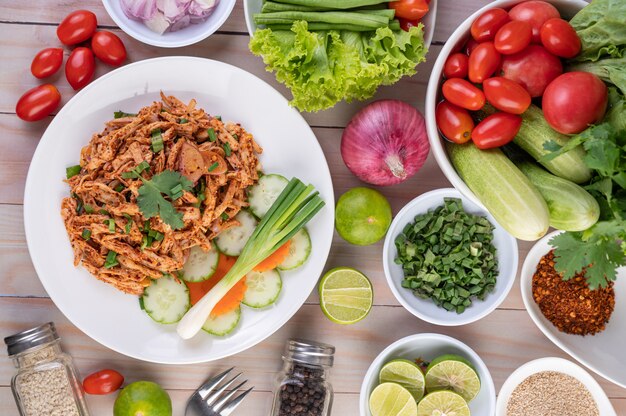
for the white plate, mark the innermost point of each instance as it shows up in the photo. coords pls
(429, 347)
(107, 315)
(553, 364)
(603, 352)
(425, 309)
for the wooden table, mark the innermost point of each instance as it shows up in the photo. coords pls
(505, 339)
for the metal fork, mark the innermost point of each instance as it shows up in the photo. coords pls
(211, 400)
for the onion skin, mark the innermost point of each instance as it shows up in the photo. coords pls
(385, 143)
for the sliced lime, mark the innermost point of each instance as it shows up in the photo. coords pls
(405, 373)
(452, 372)
(443, 403)
(391, 399)
(346, 295)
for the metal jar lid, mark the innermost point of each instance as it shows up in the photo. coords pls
(31, 338)
(309, 352)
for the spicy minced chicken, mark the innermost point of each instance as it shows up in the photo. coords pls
(111, 235)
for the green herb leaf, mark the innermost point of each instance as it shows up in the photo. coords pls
(213, 166)
(136, 173)
(111, 260)
(227, 149)
(224, 216)
(157, 141)
(152, 203)
(72, 171)
(218, 118)
(212, 136)
(86, 234)
(111, 223)
(121, 114)
(88, 209)
(183, 121)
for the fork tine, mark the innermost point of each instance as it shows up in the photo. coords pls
(217, 406)
(230, 407)
(215, 395)
(212, 383)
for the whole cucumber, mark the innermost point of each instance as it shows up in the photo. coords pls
(503, 189)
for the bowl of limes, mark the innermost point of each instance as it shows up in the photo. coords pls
(427, 374)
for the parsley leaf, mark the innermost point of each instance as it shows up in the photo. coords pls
(151, 201)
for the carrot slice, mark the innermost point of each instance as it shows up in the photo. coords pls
(275, 259)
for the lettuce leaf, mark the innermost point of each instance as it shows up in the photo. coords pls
(601, 27)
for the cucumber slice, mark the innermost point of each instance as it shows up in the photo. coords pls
(166, 300)
(232, 241)
(263, 288)
(299, 251)
(262, 195)
(223, 324)
(200, 264)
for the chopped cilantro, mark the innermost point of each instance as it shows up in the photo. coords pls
(152, 203)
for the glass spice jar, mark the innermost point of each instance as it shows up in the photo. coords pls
(46, 382)
(302, 387)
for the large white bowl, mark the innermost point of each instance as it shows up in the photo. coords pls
(559, 365)
(428, 347)
(568, 9)
(426, 309)
(603, 352)
(187, 36)
(252, 7)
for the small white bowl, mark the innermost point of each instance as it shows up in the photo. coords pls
(187, 36)
(553, 364)
(252, 7)
(602, 353)
(428, 347)
(425, 309)
(568, 8)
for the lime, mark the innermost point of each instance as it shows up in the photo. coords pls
(451, 372)
(362, 216)
(143, 398)
(391, 399)
(443, 403)
(405, 373)
(346, 295)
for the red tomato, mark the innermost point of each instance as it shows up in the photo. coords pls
(406, 24)
(487, 24)
(533, 68)
(483, 62)
(462, 93)
(573, 101)
(456, 66)
(470, 46)
(560, 38)
(77, 27)
(80, 67)
(496, 130)
(410, 9)
(454, 123)
(38, 103)
(47, 62)
(506, 95)
(103, 382)
(535, 13)
(513, 37)
(108, 48)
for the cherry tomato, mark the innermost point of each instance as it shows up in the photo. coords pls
(406, 24)
(470, 46)
(80, 67)
(560, 38)
(47, 62)
(38, 103)
(513, 37)
(108, 48)
(506, 95)
(534, 13)
(456, 66)
(455, 123)
(496, 130)
(533, 68)
(573, 101)
(462, 93)
(77, 27)
(103, 382)
(487, 24)
(483, 62)
(410, 9)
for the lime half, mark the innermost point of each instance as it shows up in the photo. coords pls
(443, 403)
(451, 372)
(346, 295)
(391, 399)
(405, 373)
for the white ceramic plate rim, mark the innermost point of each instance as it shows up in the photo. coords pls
(395, 228)
(31, 209)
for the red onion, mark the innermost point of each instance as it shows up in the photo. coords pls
(385, 143)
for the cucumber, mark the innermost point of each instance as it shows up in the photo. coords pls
(571, 207)
(263, 288)
(262, 195)
(200, 264)
(232, 240)
(509, 196)
(166, 300)
(223, 324)
(299, 251)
